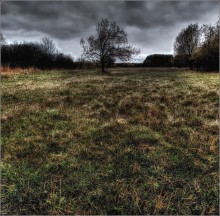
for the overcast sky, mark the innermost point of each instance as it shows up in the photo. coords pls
(152, 26)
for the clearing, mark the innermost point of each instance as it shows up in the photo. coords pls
(136, 141)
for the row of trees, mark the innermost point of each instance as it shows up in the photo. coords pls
(198, 47)
(195, 47)
(43, 55)
(103, 49)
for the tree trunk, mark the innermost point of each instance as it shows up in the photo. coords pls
(103, 68)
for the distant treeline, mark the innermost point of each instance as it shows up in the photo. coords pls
(127, 65)
(42, 55)
(158, 60)
(195, 47)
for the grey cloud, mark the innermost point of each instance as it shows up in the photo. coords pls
(72, 17)
(167, 13)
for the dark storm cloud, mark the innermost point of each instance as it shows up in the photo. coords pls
(150, 24)
(165, 13)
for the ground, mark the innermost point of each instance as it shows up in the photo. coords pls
(135, 141)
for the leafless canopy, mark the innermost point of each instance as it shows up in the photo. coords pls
(110, 44)
(48, 46)
(3, 40)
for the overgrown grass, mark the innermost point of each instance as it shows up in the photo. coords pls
(136, 141)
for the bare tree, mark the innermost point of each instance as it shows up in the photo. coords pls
(109, 43)
(3, 40)
(48, 46)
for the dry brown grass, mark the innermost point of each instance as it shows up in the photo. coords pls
(7, 71)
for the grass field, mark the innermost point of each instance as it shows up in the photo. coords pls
(136, 141)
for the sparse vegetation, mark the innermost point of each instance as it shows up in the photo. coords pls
(136, 141)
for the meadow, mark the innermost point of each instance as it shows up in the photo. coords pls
(135, 141)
